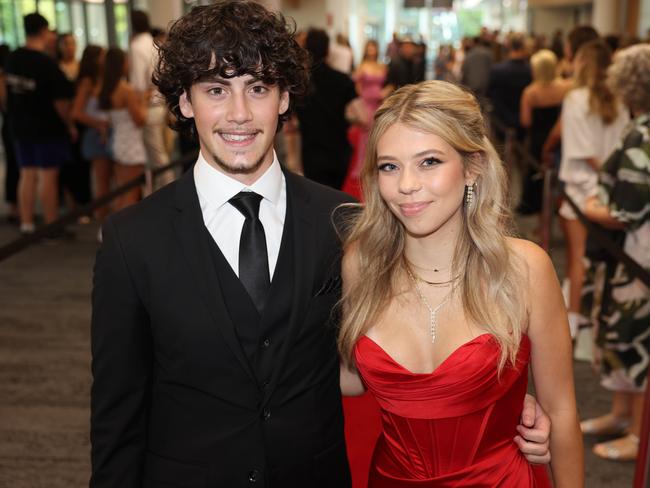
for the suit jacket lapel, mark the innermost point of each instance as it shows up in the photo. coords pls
(303, 270)
(190, 231)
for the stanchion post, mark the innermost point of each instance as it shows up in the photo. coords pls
(509, 156)
(16, 246)
(546, 219)
(642, 471)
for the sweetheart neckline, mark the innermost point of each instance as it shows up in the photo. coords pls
(437, 368)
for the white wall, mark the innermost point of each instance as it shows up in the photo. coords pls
(311, 13)
(162, 12)
(607, 16)
(644, 18)
(546, 20)
(334, 16)
(271, 4)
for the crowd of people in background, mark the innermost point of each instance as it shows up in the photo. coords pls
(520, 79)
(555, 96)
(65, 119)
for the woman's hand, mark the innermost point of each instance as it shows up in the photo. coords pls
(597, 212)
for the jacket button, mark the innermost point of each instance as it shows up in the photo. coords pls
(265, 384)
(266, 342)
(266, 414)
(253, 475)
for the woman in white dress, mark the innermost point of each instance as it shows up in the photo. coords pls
(592, 123)
(127, 111)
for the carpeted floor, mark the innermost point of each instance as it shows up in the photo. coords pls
(45, 374)
(45, 366)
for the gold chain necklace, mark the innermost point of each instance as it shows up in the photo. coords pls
(433, 283)
(433, 312)
(435, 270)
(419, 278)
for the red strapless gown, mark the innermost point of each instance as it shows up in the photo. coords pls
(453, 427)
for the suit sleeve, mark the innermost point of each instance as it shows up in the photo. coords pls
(350, 91)
(392, 77)
(121, 368)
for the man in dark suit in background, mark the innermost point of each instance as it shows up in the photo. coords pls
(508, 79)
(407, 67)
(214, 353)
(326, 151)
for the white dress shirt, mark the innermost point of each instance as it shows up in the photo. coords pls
(225, 222)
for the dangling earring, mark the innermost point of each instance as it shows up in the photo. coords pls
(469, 196)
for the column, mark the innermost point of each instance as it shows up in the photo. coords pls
(162, 12)
(391, 20)
(605, 16)
(337, 12)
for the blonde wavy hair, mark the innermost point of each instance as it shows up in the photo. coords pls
(595, 57)
(544, 66)
(490, 281)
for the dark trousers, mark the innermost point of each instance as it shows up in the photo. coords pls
(326, 168)
(12, 173)
(75, 175)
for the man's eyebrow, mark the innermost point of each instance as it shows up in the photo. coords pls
(226, 81)
(254, 80)
(215, 79)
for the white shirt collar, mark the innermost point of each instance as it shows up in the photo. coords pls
(216, 188)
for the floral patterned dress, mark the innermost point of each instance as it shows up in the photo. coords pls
(624, 316)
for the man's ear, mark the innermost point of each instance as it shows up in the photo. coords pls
(185, 105)
(284, 102)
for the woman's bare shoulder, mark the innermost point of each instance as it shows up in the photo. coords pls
(537, 263)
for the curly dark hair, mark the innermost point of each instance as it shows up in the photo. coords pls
(228, 39)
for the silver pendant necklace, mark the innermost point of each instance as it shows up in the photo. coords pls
(433, 312)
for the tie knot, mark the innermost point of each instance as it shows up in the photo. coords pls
(248, 203)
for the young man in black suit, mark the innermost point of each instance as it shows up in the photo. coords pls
(214, 351)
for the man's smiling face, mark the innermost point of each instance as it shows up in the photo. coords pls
(236, 120)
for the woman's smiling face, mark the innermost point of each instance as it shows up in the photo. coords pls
(421, 178)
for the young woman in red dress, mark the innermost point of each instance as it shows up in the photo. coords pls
(444, 311)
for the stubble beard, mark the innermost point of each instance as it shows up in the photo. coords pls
(241, 169)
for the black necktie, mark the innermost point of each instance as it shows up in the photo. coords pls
(253, 259)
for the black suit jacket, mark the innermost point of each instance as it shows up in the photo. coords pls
(325, 147)
(174, 401)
